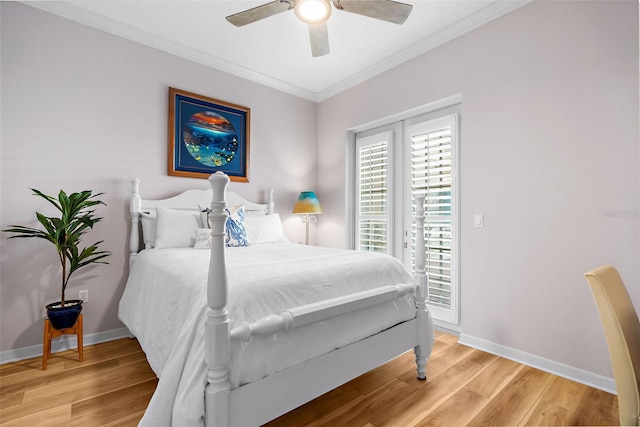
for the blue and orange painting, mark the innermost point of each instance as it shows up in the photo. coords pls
(210, 139)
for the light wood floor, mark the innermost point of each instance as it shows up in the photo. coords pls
(114, 383)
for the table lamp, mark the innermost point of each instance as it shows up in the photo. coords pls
(307, 204)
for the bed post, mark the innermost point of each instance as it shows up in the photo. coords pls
(134, 210)
(217, 345)
(425, 323)
(270, 202)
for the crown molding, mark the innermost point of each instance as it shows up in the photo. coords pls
(94, 20)
(103, 23)
(471, 22)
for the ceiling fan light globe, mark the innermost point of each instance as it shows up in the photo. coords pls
(313, 11)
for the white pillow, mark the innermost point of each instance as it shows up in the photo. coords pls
(203, 238)
(260, 212)
(148, 221)
(264, 229)
(176, 229)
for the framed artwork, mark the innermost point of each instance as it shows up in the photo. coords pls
(206, 136)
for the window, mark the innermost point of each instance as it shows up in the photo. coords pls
(426, 148)
(372, 193)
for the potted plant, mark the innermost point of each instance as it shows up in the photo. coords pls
(65, 233)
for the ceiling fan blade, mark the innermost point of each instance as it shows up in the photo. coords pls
(387, 10)
(260, 12)
(319, 36)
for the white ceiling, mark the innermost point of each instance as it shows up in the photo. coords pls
(275, 51)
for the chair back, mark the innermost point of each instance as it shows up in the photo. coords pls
(622, 333)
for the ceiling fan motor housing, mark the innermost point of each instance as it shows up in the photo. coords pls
(316, 12)
(312, 11)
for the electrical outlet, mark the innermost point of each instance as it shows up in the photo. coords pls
(83, 295)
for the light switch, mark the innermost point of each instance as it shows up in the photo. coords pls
(478, 220)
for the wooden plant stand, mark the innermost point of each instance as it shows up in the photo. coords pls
(50, 332)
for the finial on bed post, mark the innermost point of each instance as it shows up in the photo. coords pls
(217, 347)
(134, 210)
(420, 278)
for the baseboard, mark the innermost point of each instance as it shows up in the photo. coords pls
(560, 369)
(66, 342)
(446, 328)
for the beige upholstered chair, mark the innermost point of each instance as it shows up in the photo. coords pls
(622, 331)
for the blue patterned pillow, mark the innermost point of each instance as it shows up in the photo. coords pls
(235, 233)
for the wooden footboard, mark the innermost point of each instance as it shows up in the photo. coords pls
(265, 399)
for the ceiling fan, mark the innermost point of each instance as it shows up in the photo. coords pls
(316, 12)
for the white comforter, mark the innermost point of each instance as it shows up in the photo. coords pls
(164, 306)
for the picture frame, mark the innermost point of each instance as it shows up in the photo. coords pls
(207, 135)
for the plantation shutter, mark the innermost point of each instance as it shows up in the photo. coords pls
(431, 173)
(372, 193)
(392, 164)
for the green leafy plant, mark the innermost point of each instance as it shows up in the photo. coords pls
(66, 232)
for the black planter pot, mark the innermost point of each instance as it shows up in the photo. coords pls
(64, 317)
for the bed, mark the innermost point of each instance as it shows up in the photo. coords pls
(242, 326)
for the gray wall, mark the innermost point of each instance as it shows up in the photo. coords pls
(549, 155)
(82, 109)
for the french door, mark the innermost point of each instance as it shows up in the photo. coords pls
(395, 163)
